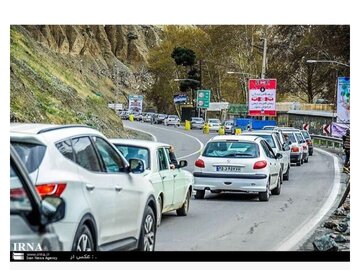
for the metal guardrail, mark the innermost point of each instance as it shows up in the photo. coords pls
(327, 141)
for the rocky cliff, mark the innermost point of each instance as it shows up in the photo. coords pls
(68, 74)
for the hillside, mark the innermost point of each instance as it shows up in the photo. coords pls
(68, 74)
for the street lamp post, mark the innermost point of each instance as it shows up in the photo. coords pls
(327, 61)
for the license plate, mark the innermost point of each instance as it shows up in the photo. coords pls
(228, 169)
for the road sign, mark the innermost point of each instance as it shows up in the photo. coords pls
(305, 127)
(262, 97)
(203, 99)
(326, 129)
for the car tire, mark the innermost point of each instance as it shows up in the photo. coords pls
(287, 174)
(183, 211)
(200, 194)
(83, 241)
(160, 207)
(277, 190)
(147, 231)
(310, 153)
(264, 196)
(298, 163)
(306, 160)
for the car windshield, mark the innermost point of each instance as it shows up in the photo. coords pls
(214, 121)
(30, 154)
(269, 139)
(305, 134)
(131, 152)
(231, 150)
(291, 137)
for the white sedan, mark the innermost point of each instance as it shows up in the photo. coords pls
(173, 187)
(240, 164)
(214, 124)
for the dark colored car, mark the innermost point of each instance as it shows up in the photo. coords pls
(31, 216)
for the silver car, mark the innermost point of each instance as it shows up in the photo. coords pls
(197, 122)
(31, 217)
(273, 140)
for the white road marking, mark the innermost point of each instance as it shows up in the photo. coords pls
(155, 139)
(201, 144)
(294, 240)
(140, 130)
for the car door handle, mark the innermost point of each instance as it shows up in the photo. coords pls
(118, 189)
(90, 187)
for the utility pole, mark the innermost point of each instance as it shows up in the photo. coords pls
(264, 59)
(199, 110)
(264, 65)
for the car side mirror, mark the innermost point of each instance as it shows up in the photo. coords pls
(182, 163)
(136, 166)
(278, 156)
(52, 209)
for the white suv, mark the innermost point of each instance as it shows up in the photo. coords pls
(109, 206)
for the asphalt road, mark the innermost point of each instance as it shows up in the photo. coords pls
(240, 222)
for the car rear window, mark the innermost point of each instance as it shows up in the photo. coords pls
(269, 139)
(305, 134)
(30, 154)
(291, 137)
(299, 137)
(137, 152)
(197, 119)
(231, 149)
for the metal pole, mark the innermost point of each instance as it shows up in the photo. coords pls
(264, 60)
(264, 65)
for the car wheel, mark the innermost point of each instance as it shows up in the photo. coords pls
(298, 163)
(264, 196)
(306, 160)
(287, 174)
(84, 240)
(200, 194)
(183, 211)
(277, 190)
(160, 206)
(310, 153)
(148, 231)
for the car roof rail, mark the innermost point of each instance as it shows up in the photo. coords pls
(60, 127)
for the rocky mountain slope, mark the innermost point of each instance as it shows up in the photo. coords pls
(68, 74)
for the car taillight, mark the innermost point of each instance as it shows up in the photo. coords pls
(294, 149)
(200, 163)
(260, 164)
(50, 189)
(309, 142)
(17, 193)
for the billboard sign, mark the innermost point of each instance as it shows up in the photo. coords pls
(203, 99)
(262, 97)
(135, 103)
(343, 100)
(180, 98)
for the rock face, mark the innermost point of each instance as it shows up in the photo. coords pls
(69, 73)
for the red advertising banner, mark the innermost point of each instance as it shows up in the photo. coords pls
(262, 97)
